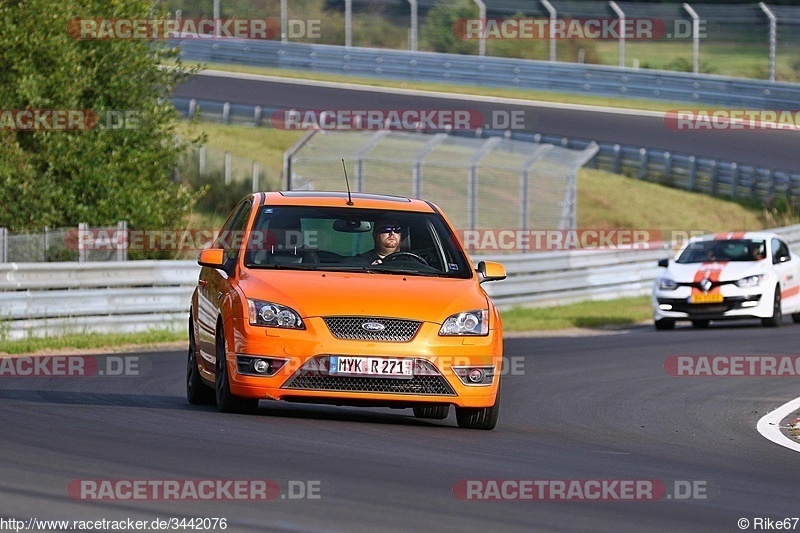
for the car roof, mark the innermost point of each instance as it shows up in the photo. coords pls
(736, 235)
(340, 199)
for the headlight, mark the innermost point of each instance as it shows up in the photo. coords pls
(467, 323)
(274, 315)
(750, 281)
(666, 284)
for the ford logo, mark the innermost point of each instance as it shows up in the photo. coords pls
(373, 326)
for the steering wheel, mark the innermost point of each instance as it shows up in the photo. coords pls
(400, 255)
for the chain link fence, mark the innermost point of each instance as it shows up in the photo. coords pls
(481, 183)
(81, 243)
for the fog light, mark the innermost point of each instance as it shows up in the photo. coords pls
(750, 303)
(475, 375)
(261, 366)
(665, 307)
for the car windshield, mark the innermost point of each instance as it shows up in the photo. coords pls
(724, 250)
(334, 238)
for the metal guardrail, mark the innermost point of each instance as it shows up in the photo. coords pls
(596, 80)
(45, 299)
(683, 171)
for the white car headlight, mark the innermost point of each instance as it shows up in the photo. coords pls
(274, 315)
(467, 323)
(666, 284)
(750, 281)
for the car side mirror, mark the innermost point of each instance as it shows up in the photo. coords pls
(663, 263)
(491, 271)
(212, 258)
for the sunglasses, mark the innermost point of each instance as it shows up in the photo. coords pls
(390, 229)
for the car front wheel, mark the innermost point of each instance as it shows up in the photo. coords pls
(226, 401)
(775, 320)
(480, 417)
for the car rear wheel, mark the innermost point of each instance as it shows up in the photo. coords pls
(435, 412)
(227, 402)
(665, 324)
(480, 417)
(197, 393)
(775, 320)
(701, 324)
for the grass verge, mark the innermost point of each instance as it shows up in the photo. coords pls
(590, 314)
(89, 341)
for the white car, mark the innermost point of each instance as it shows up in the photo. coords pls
(727, 276)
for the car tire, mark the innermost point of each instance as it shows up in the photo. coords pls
(701, 324)
(480, 417)
(664, 324)
(796, 318)
(775, 320)
(434, 412)
(226, 401)
(197, 392)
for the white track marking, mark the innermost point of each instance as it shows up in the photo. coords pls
(769, 425)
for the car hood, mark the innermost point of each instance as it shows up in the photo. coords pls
(718, 271)
(316, 293)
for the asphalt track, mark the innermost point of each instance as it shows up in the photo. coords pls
(774, 149)
(582, 408)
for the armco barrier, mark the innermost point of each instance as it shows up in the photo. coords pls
(597, 80)
(40, 299)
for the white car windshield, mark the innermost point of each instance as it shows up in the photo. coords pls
(723, 250)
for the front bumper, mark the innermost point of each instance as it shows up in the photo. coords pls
(305, 376)
(736, 303)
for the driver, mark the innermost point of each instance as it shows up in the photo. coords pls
(387, 235)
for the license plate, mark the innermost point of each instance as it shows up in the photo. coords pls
(707, 298)
(371, 366)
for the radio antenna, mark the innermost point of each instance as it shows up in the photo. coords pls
(349, 198)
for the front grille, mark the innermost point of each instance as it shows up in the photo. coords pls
(314, 376)
(730, 303)
(351, 328)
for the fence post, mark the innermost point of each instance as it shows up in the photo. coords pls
(46, 243)
(772, 33)
(122, 240)
(412, 40)
(714, 176)
(621, 15)
(83, 234)
(255, 176)
(226, 113)
(227, 168)
(692, 172)
(192, 108)
(482, 16)
(201, 156)
(667, 167)
(695, 37)
(642, 163)
(3, 245)
(617, 158)
(257, 115)
(552, 28)
(734, 178)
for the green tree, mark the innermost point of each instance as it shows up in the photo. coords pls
(99, 175)
(438, 33)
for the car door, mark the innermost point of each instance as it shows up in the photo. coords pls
(214, 284)
(786, 267)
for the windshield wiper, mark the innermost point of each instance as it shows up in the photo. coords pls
(390, 270)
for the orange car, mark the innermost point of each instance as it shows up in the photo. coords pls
(361, 300)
